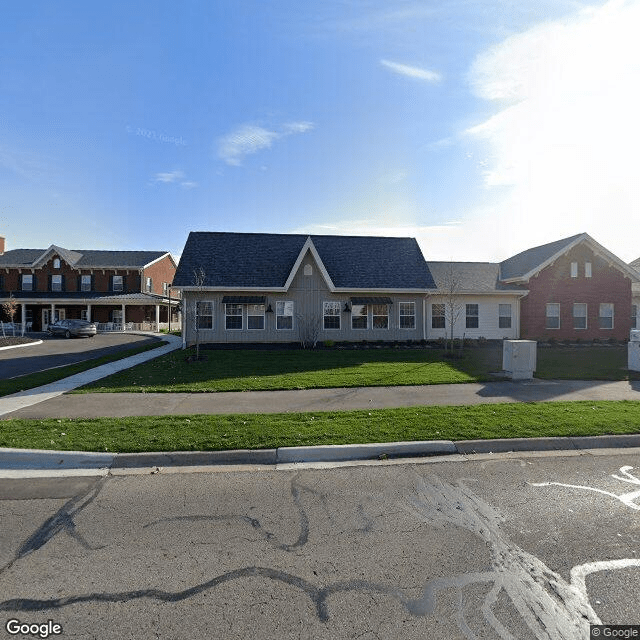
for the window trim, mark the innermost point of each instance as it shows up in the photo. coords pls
(612, 316)
(56, 263)
(113, 282)
(256, 315)
(375, 315)
(407, 315)
(149, 284)
(331, 304)
(634, 316)
(472, 316)
(547, 316)
(206, 315)
(588, 270)
(82, 287)
(502, 316)
(361, 316)
(574, 269)
(22, 277)
(282, 304)
(58, 280)
(574, 316)
(227, 315)
(443, 316)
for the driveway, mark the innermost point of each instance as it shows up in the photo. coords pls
(58, 352)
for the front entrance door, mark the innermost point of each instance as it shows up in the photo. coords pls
(46, 317)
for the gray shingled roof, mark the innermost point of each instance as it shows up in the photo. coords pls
(82, 257)
(635, 265)
(482, 277)
(247, 260)
(519, 265)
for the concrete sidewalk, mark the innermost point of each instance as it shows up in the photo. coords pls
(39, 395)
(142, 404)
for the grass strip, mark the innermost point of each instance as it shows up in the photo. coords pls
(260, 431)
(262, 370)
(32, 380)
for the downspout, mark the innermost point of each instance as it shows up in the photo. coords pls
(424, 317)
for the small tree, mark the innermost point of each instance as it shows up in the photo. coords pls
(308, 330)
(451, 287)
(199, 278)
(9, 308)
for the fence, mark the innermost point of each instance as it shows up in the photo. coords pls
(106, 327)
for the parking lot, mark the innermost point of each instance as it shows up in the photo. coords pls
(58, 352)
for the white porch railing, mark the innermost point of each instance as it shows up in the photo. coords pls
(106, 327)
(12, 329)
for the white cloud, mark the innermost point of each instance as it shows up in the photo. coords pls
(412, 72)
(170, 176)
(249, 139)
(564, 139)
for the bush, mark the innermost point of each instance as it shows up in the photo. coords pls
(329, 344)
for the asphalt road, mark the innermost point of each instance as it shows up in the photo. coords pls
(494, 547)
(58, 352)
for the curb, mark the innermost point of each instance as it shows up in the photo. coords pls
(37, 459)
(24, 344)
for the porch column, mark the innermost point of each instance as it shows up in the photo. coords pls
(53, 312)
(157, 317)
(89, 312)
(23, 316)
(124, 319)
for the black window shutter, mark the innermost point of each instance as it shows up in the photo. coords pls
(1, 283)
(110, 283)
(124, 284)
(79, 284)
(49, 282)
(63, 283)
(34, 284)
(92, 285)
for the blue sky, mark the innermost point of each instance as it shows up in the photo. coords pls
(480, 127)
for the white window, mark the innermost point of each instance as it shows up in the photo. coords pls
(473, 316)
(407, 315)
(308, 270)
(255, 316)
(56, 263)
(634, 316)
(85, 283)
(116, 316)
(165, 288)
(574, 269)
(284, 315)
(27, 282)
(56, 283)
(504, 316)
(359, 316)
(606, 315)
(587, 269)
(331, 315)
(233, 316)
(579, 315)
(380, 316)
(205, 314)
(117, 283)
(553, 316)
(149, 284)
(437, 316)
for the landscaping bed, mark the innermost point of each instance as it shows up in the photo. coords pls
(12, 341)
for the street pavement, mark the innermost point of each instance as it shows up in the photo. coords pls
(482, 547)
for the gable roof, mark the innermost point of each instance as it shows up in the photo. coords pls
(267, 261)
(81, 258)
(526, 264)
(474, 277)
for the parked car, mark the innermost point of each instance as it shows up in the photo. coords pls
(73, 328)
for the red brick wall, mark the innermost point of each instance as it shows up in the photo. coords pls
(159, 272)
(555, 284)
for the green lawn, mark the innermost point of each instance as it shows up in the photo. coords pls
(211, 432)
(243, 370)
(33, 380)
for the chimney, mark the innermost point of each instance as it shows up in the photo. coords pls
(1, 245)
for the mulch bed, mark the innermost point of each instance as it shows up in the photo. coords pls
(11, 341)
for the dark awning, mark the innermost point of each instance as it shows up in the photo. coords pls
(244, 299)
(371, 300)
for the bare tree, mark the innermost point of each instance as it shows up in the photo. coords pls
(451, 288)
(308, 329)
(199, 278)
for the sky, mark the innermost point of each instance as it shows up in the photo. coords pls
(480, 127)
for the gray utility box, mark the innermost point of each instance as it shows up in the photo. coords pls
(633, 351)
(519, 358)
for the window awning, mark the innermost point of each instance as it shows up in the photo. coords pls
(371, 300)
(244, 299)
